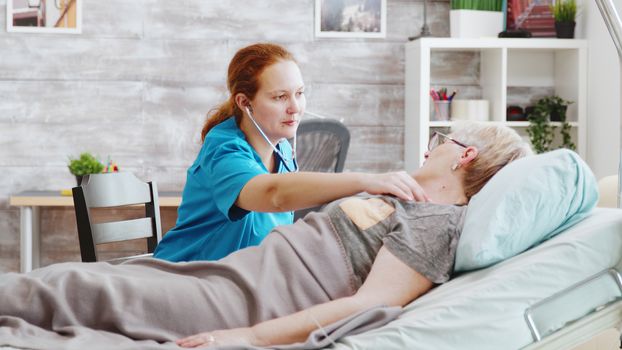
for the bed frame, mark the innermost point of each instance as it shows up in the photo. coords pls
(605, 313)
(583, 330)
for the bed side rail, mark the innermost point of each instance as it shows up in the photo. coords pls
(588, 296)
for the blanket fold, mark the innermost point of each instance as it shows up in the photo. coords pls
(148, 303)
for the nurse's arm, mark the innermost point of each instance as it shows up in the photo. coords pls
(293, 191)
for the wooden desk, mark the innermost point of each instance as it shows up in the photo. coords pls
(30, 202)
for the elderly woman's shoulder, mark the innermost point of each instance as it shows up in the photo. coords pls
(412, 209)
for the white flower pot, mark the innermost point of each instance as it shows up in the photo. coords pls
(475, 24)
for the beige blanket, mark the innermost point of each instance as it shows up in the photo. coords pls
(148, 303)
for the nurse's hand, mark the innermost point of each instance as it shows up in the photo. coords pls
(400, 184)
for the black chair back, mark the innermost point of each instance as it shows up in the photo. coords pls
(115, 190)
(322, 146)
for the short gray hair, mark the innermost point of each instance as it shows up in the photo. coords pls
(498, 145)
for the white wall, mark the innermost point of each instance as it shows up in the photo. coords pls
(603, 91)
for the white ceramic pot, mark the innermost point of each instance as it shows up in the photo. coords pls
(475, 24)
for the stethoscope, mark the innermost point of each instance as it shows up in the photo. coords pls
(276, 150)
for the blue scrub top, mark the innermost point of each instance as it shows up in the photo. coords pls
(209, 225)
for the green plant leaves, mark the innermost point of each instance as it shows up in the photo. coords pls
(564, 11)
(480, 5)
(86, 164)
(541, 132)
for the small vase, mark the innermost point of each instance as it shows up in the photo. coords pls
(79, 179)
(565, 30)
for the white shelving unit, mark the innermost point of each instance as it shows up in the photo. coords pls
(559, 64)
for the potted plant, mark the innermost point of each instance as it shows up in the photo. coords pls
(86, 164)
(564, 12)
(475, 18)
(540, 130)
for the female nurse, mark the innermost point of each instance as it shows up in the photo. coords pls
(245, 180)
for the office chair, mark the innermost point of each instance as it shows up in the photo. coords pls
(115, 190)
(322, 145)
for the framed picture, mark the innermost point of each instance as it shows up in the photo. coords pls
(350, 18)
(44, 16)
(534, 16)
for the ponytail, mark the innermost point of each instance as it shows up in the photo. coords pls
(219, 115)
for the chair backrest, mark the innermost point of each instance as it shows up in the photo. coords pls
(321, 145)
(115, 190)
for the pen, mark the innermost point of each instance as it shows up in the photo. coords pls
(434, 95)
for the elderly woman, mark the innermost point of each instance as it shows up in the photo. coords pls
(357, 253)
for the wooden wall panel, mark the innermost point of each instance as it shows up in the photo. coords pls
(137, 83)
(104, 59)
(70, 102)
(372, 62)
(276, 20)
(128, 144)
(406, 19)
(358, 104)
(376, 149)
(128, 18)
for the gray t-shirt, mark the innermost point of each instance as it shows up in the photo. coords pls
(422, 235)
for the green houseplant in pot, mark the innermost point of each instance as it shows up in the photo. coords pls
(84, 165)
(475, 18)
(564, 12)
(541, 132)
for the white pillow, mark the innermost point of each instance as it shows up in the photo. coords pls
(528, 201)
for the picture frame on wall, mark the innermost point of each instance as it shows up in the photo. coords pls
(534, 16)
(44, 16)
(350, 18)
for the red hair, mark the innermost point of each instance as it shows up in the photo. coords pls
(243, 77)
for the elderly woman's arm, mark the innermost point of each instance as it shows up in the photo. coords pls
(390, 282)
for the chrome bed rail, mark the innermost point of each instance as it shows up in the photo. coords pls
(539, 317)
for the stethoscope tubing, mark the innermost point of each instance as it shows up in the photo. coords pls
(276, 150)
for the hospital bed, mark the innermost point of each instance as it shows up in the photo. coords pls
(557, 295)
(554, 296)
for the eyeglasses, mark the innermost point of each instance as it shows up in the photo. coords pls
(438, 139)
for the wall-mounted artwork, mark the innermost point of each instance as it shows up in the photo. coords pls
(534, 16)
(44, 16)
(350, 18)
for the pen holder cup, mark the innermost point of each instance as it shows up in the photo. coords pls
(440, 110)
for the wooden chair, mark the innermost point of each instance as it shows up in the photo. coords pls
(115, 190)
(322, 145)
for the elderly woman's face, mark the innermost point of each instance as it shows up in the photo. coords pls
(442, 155)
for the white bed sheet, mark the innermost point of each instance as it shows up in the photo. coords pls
(485, 309)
